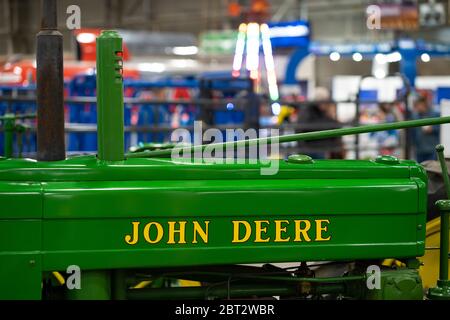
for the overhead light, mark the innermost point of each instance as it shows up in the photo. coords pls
(276, 108)
(380, 58)
(388, 58)
(425, 57)
(270, 65)
(185, 51)
(394, 57)
(239, 51)
(252, 57)
(335, 56)
(230, 106)
(151, 67)
(380, 74)
(86, 37)
(380, 66)
(357, 56)
(289, 31)
(183, 63)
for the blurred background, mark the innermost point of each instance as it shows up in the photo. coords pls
(293, 65)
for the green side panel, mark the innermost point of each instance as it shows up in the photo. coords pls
(20, 259)
(91, 231)
(20, 200)
(20, 240)
(144, 199)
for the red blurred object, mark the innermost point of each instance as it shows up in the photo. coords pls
(259, 11)
(85, 39)
(399, 16)
(260, 6)
(23, 72)
(181, 93)
(234, 9)
(426, 94)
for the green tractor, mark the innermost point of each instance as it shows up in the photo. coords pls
(142, 225)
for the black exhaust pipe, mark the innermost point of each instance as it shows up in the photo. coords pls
(50, 86)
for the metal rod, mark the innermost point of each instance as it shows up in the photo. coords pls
(267, 277)
(8, 122)
(222, 291)
(50, 105)
(49, 19)
(18, 116)
(298, 136)
(200, 102)
(441, 157)
(444, 237)
(226, 291)
(92, 127)
(443, 266)
(356, 124)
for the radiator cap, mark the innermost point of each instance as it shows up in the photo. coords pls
(300, 159)
(387, 159)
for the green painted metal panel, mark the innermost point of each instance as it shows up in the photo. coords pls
(167, 257)
(20, 235)
(20, 259)
(20, 275)
(20, 200)
(20, 240)
(232, 198)
(92, 229)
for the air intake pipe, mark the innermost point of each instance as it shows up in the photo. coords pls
(50, 86)
(110, 123)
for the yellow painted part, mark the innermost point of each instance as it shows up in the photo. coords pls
(59, 277)
(189, 283)
(182, 283)
(399, 264)
(430, 269)
(285, 112)
(142, 284)
(391, 262)
(388, 262)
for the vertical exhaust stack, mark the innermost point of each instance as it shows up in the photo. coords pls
(50, 86)
(110, 123)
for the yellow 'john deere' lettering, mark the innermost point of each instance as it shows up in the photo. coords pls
(175, 232)
(256, 231)
(280, 231)
(159, 232)
(236, 228)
